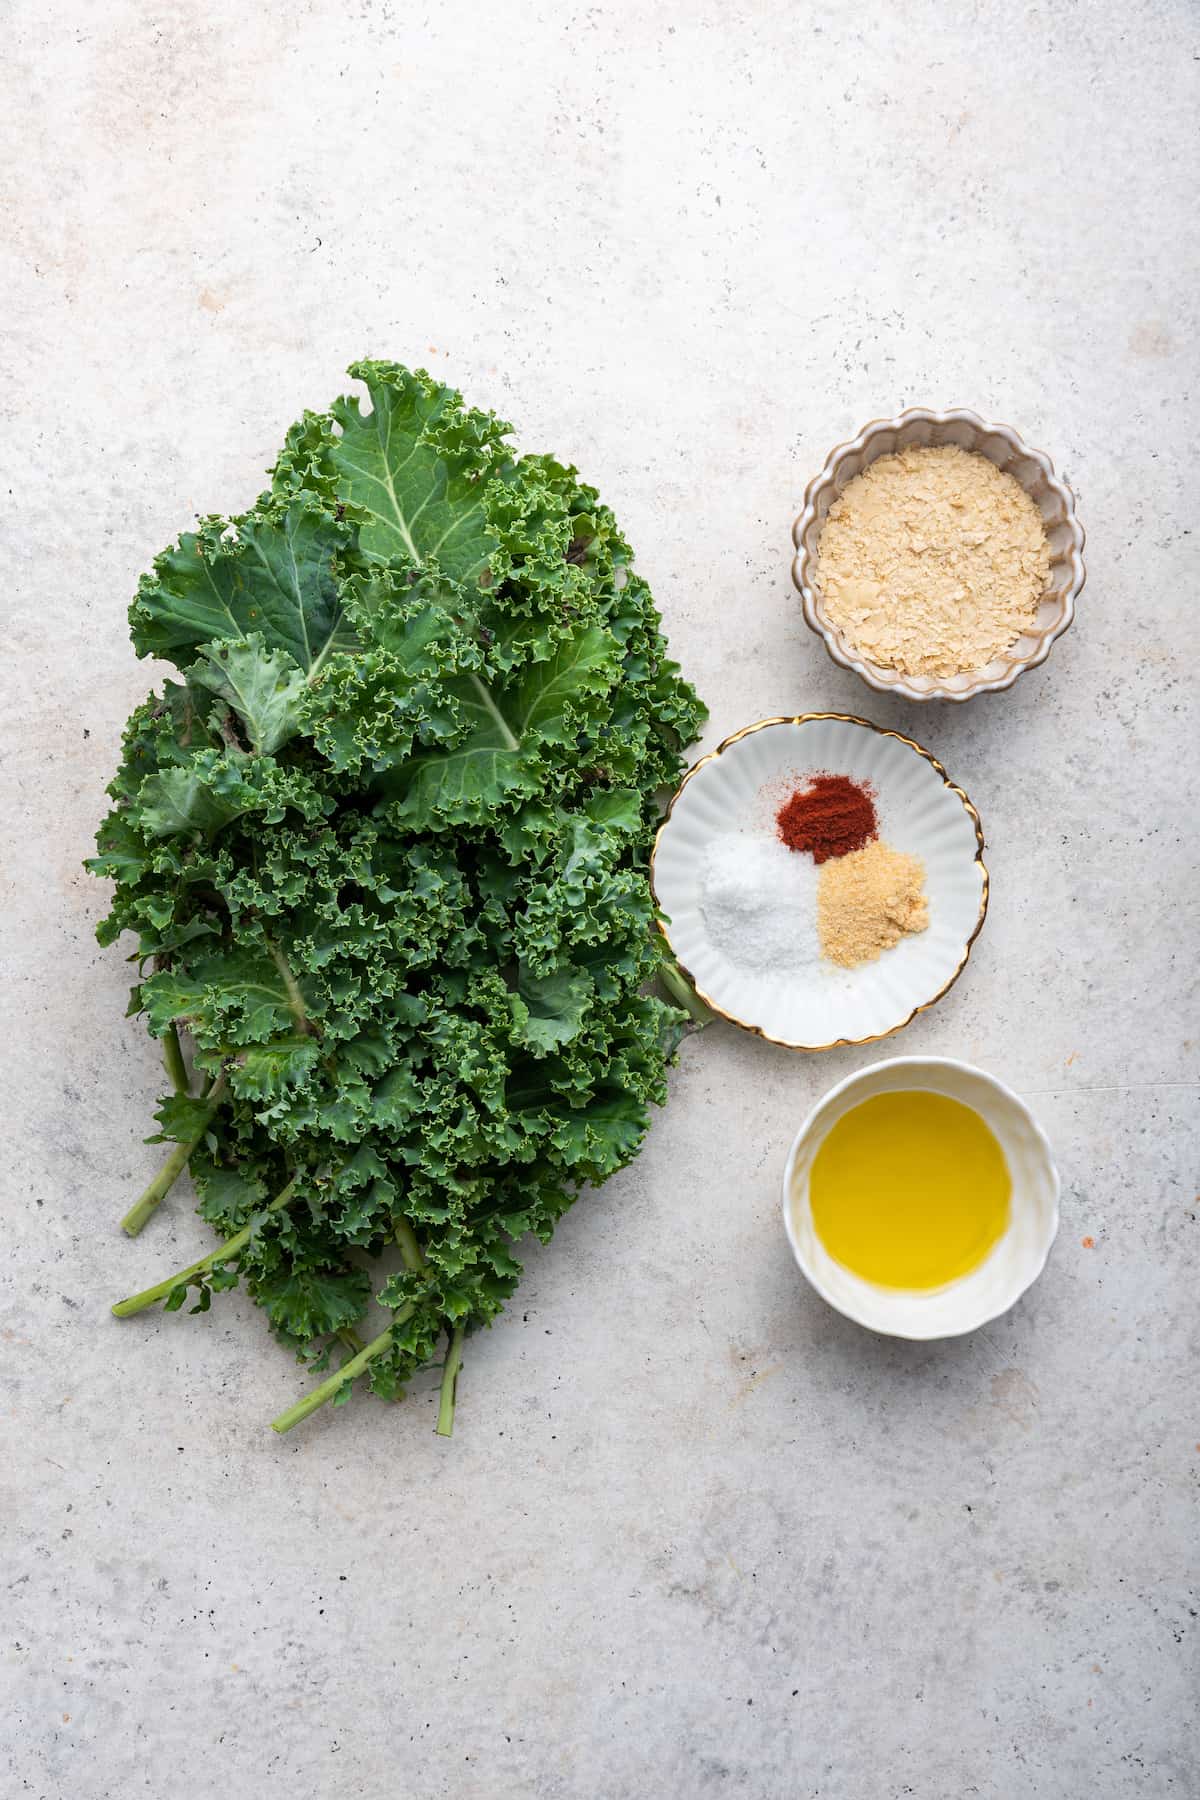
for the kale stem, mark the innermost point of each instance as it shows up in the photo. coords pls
(295, 999)
(683, 993)
(173, 1058)
(175, 1164)
(347, 1372)
(450, 1368)
(351, 1339)
(410, 1249)
(139, 1302)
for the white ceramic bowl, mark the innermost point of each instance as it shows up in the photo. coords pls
(921, 812)
(1002, 446)
(1009, 1268)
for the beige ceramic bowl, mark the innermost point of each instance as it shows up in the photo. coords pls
(1001, 445)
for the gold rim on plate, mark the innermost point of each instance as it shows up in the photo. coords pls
(881, 731)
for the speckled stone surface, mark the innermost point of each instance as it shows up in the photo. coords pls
(696, 1535)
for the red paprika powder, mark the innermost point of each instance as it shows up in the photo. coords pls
(830, 817)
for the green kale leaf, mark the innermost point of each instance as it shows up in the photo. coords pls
(384, 853)
(264, 687)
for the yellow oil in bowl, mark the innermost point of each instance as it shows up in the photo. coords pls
(910, 1190)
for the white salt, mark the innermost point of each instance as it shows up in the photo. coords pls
(759, 903)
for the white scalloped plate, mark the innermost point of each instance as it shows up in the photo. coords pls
(1009, 1268)
(920, 811)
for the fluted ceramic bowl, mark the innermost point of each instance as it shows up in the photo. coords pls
(1012, 1264)
(1002, 446)
(920, 812)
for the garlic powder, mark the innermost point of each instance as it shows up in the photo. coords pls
(867, 901)
(932, 561)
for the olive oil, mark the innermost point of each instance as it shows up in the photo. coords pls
(910, 1190)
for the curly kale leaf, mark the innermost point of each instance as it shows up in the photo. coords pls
(272, 571)
(411, 471)
(264, 688)
(504, 732)
(384, 850)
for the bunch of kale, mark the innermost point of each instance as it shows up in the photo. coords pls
(384, 847)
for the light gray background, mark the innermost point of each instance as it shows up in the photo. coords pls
(695, 1535)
